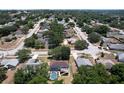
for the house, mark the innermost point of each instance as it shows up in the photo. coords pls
(33, 61)
(69, 33)
(110, 40)
(116, 46)
(106, 62)
(18, 33)
(83, 61)
(117, 35)
(59, 66)
(9, 63)
(120, 57)
(44, 25)
(61, 22)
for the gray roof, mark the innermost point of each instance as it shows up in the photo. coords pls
(120, 57)
(83, 61)
(116, 46)
(33, 62)
(106, 40)
(106, 62)
(115, 34)
(12, 62)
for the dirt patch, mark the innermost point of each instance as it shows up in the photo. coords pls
(11, 45)
(10, 77)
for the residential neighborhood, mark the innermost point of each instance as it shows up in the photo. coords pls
(61, 47)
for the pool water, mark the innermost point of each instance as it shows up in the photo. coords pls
(53, 75)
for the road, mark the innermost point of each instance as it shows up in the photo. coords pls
(92, 49)
(21, 45)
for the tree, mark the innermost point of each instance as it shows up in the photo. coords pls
(19, 77)
(38, 80)
(30, 42)
(2, 74)
(23, 55)
(60, 53)
(66, 19)
(31, 75)
(118, 72)
(55, 34)
(80, 45)
(30, 24)
(93, 37)
(58, 82)
(38, 44)
(33, 42)
(101, 30)
(87, 29)
(7, 30)
(60, 18)
(25, 29)
(92, 75)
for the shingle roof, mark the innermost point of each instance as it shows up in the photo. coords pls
(116, 46)
(58, 65)
(121, 57)
(83, 61)
(12, 62)
(106, 62)
(32, 62)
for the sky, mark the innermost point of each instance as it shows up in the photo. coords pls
(61, 4)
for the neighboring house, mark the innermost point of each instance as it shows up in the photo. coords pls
(83, 61)
(39, 35)
(116, 46)
(117, 35)
(120, 57)
(33, 61)
(9, 63)
(51, 18)
(61, 22)
(44, 25)
(110, 40)
(18, 33)
(69, 33)
(60, 66)
(106, 62)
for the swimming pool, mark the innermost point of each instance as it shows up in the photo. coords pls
(53, 75)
